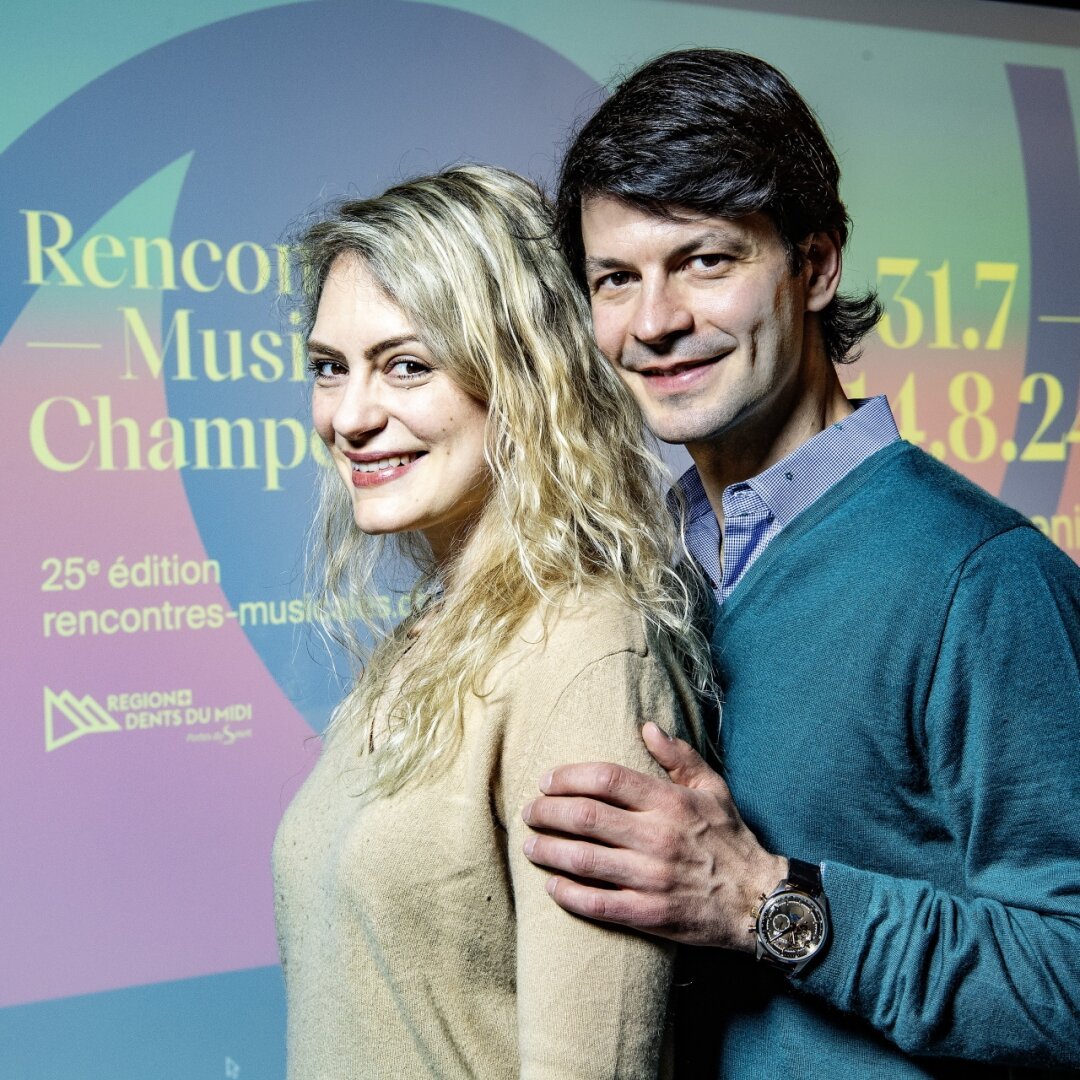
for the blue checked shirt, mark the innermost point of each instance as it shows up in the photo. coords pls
(755, 510)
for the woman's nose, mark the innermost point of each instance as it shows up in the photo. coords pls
(361, 411)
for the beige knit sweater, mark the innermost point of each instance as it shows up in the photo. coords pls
(417, 940)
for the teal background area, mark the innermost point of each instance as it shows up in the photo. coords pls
(197, 1028)
(48, 51)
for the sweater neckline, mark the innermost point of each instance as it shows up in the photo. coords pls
(816, 512)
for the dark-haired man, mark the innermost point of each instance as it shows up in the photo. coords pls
(898, 892)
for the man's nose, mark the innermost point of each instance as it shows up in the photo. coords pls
(661, 313)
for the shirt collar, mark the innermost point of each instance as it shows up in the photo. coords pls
(796, 482)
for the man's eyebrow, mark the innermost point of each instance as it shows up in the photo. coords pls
(369, 353)
(731, 242)
(593, 265)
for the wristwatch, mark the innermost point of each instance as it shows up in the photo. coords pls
(792, 924)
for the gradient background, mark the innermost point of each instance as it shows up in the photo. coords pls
(136, 931)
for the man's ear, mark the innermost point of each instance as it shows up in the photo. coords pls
(822, 263)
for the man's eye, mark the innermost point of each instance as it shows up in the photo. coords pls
(614, 280)
(708, 262)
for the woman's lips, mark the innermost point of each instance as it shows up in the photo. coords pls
(372, 471)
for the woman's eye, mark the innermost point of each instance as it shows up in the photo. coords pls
(326, 369)
(406, 370)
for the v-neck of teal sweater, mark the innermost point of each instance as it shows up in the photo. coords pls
(807, 520)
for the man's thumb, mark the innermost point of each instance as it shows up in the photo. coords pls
(683, 764)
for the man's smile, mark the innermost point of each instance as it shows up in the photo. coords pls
(678, 368)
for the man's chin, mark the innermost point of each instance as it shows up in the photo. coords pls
(680, 431)
(682, 420)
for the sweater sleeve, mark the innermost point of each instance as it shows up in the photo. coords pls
(990, 972)
(592, 999)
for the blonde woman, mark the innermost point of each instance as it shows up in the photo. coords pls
(467, 413)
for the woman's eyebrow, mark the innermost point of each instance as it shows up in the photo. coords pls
(369, 353)
(325, 350)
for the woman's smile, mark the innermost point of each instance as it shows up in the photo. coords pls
(369, 470)
(407, 441)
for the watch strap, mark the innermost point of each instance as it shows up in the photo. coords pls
(804, 876)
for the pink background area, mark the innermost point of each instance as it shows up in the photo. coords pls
(126, 857)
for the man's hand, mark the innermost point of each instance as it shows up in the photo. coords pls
(675, 859)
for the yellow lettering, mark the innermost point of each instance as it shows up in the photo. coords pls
(1061, 531)
(223, 428)
(299, 350)
(37, 250)
(236, 356)
(39, 443)
(275, 366)
(262, 267)
(187, 265)
(169, 451)
(284, 269)
(91, 253)
(107, 428)
(155, 361)
(274, 464)
(166, 262)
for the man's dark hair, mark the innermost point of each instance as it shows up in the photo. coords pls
(720, 133)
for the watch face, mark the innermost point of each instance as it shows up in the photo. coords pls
(791, 926)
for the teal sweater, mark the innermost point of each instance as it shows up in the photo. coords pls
(902, 704)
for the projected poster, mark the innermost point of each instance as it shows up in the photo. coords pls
(161, 677)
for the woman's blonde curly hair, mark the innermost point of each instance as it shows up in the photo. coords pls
(469, 256)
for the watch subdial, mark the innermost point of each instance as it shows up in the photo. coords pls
(792, 927)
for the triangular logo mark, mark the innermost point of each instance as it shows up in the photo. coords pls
(83, 716)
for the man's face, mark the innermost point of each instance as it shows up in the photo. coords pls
(701, 315)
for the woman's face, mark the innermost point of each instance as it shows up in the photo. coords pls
(406, 440)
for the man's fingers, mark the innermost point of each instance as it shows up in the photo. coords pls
(613, 784)
(683, 764)
(608, 905)
(582, 817)
(615, 866)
